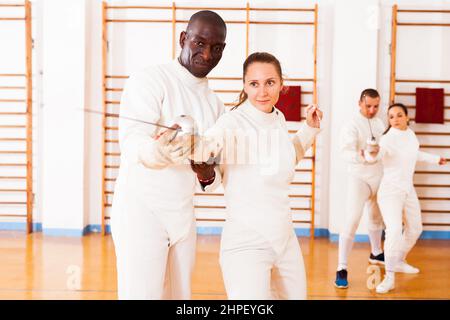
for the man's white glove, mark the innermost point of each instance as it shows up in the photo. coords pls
(174, 148)
(370, 153)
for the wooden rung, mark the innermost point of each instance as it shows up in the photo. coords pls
(12, 5)
(292, 23)
(114, 89)
(13, 190)
(116, 77)
(12, 88)
(13, 164)
(433, 198)
(12, 126)
(107, 218)
(429, 224)
(413, 94)
(13, 100)
(414, 119)
(209, 207)
(12, 75)
(13, 139)
(111, 141)
(12, 152)
(112, 115)
(112, 154)
(12, 202)
(209, 220)
(303, 170)
(300, 196)
(426, 146)
(301, 221)
(300, 209)
(12, 19)
(227, 91)
(435, 211)
(210, 8)
(432, 185)
(424, 10)
(138, 7)
(112, 166)
(112, 128)
(414, 107)
(109, 192)
(12, 177)
(13, 113)
(432, 172)
(417, 24)
(301, 183)
(425, 81)
(142, 21)
(112, 102)
(110, 179)
(226, 21)
(13, 215)
(423, 133)
(282, 9)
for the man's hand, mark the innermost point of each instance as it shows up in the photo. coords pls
(442, 161)
(373, 150)
(369, 157)
(205, 170)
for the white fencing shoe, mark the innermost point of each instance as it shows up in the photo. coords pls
(404, 267)
(386, 285)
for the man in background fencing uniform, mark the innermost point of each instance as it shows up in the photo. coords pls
(363, 131)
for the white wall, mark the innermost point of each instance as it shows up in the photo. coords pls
(64, 65)
(354, 69)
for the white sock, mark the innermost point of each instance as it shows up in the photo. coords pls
(390, 275)
(375, 241)
(345, 246)
(390, 263)
(402, 255)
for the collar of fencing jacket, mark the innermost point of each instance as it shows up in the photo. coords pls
(261, 117)
(187, 77)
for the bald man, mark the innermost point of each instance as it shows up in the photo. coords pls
(153, 222)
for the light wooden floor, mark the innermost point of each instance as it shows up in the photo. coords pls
(42, 267)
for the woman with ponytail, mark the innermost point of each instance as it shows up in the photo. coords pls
(397, 198)
(259, 248)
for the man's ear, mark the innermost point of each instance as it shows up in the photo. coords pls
(182, 38)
